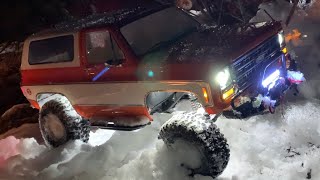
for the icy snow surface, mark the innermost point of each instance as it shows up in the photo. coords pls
(280, 146)
(283, 146)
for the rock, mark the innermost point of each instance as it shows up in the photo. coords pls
(17, 115)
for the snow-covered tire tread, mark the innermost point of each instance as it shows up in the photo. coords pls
(76, 127)
(198, 129)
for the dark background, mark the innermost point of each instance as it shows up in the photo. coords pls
(20, 18)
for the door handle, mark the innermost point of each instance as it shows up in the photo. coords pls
(89, 71)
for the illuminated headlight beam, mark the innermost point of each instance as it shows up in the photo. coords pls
(280, 39)
(223, 78)
(271, 79)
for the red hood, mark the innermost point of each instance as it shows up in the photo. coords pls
(221, 44)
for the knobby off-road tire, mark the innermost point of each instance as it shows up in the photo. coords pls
(197, 130)
(59, 123)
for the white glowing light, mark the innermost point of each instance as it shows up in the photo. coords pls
(270, 80)
(223, 77)
(280, 38)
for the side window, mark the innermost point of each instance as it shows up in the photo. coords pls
(102, 48)
(52, 50)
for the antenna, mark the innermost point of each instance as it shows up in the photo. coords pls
(268, 15)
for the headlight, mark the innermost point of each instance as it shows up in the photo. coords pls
(281, 39)
(223, 78)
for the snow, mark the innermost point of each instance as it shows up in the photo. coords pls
(259, 145)
(10, 143)
(283, 146)
(258, 151)
(10, 48)
(195, 121)
(305, 3)
(99, 19)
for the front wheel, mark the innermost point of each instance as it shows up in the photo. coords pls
(59, 123)
(199, 133)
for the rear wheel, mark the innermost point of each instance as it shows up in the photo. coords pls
(59, 123)
(197, 131)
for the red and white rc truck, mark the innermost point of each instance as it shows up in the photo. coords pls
(114, 70)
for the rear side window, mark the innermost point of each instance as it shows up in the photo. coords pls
(53, 50)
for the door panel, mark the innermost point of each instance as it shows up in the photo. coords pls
(104, 59)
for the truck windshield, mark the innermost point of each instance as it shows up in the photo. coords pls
(156, 29)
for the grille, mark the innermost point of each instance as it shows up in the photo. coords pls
(248, 68)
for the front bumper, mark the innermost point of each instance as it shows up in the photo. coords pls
(267, 93)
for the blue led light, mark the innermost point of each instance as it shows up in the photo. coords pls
(271, 79)
(150, 73)
(100, 74)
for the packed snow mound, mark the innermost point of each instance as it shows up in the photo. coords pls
(284, 146)
(281, 146)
